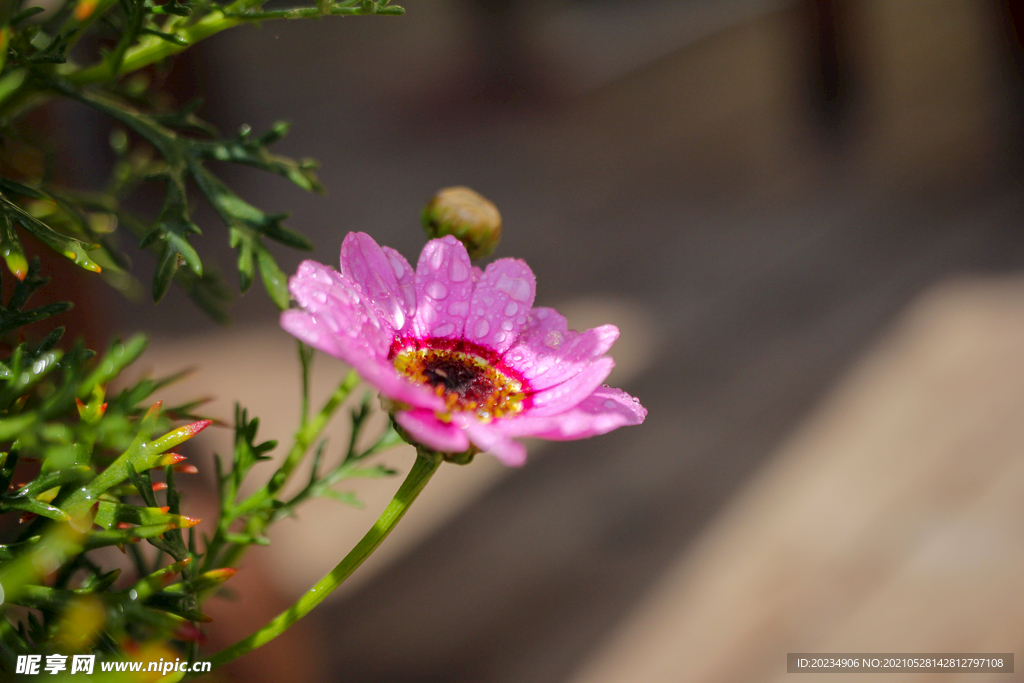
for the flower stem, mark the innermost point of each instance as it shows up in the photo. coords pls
(426, 464)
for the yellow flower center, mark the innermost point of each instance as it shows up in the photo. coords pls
(464, 378)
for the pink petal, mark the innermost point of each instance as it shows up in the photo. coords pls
(544, 318)
(548, 358)
(500, 305)
(364, 263)
(337, 321)
(489, 438)
(406, 278)
(382, 374)
(338, 309)
(571, 392)
(313, 331)
(444, 285)
(601, 412)
(541, 320)
(424, 427)
(374, 368)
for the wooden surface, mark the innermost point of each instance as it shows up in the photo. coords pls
(890, 521)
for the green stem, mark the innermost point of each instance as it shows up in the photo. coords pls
(308, 433)
(153, 48)
(306, 361)
(303, 440)
(426, 464)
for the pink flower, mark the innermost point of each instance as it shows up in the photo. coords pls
(460, 352)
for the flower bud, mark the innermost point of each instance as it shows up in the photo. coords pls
(466, 215)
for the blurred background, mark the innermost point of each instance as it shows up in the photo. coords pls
(805, 216)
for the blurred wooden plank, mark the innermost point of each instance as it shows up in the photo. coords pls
(891, 520)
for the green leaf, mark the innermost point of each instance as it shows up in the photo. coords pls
(26, 374)
(12, 187)
(346, 497)
(8, 463)
(169, 37)
(12, 320)
(277, 232)
(186, 120)
(25, 14)
(100, 539)
(118, 357)
(274, 280)
(243, 240)
(166, 267)
(68, 246)
(10, 427)
(172, 7)
(143, 485)
(11, 249)
(110, 514)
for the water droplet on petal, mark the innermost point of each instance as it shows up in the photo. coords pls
(507, 325)
(428, 314)
(399, 317)
(480, 311)
(436, 258)
(382, 289)
(514, 287)
(608, 403)
(458, 308)
(499, 337)
(481, 328)
(437, 289)
(396, 265)
(521, 320)
(511, 308)
(458, 271)
(444, 330)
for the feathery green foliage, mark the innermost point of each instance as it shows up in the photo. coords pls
(50, 58)
(83, 466)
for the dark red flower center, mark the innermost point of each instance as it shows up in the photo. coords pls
(467, 377)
